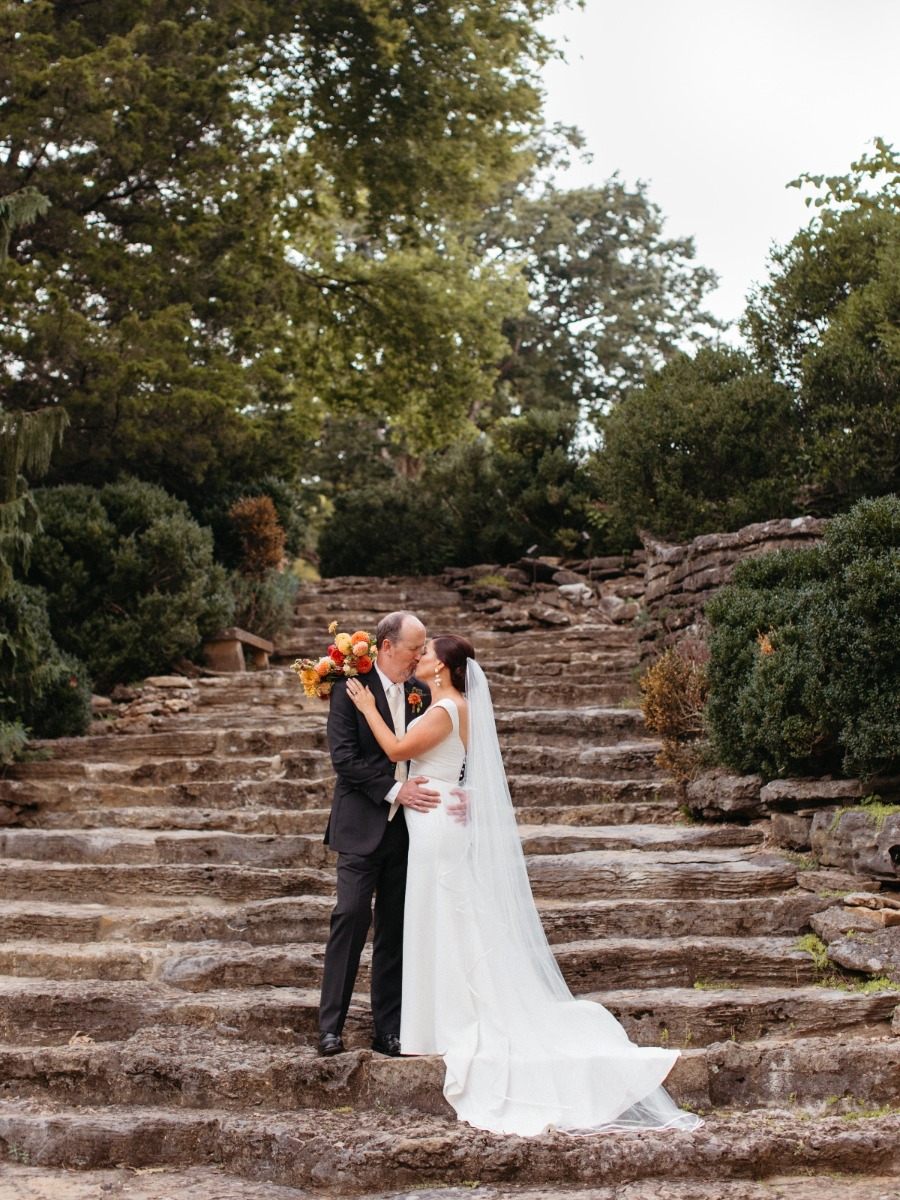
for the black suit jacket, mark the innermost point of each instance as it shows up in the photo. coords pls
(365, 774)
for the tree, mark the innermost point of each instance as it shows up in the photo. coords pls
(246, 201)
(827, 324)
(610, 298)
(709, 443)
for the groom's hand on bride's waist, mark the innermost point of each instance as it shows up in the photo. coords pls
(413, 795)
(460, 810)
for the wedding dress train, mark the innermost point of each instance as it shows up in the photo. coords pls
(480, 984)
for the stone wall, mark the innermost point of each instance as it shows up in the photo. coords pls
(680, 579)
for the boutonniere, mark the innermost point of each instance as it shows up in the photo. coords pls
(414, 699)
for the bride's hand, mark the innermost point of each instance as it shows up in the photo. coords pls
(360, 695)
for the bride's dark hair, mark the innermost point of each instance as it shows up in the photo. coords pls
(454, 652)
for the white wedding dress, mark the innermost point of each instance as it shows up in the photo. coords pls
(480, 984)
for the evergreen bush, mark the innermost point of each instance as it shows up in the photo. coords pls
(130, 577)
(804, 667)
(41, 690)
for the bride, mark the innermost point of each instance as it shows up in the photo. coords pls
(480, 984)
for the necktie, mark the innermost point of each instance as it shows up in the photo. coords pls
(397, 702)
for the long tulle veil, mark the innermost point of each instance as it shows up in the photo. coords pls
(517, 967)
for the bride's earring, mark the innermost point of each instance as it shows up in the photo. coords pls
(437, 677)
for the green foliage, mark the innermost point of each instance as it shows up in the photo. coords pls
(487, 499)
(13, 740)
(609, 297)
(249, 223)
(264, 604)
(130, 577)
(805, 653)
(40, 689)
(26, 444)
(708, 444)
(828, 324)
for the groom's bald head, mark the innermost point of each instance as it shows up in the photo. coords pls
(400, 638)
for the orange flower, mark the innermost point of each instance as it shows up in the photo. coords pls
(765, 644)
(414, 699)
(364, 664)
(360, 636)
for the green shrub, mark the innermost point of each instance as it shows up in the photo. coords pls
(13, 740)
(130, 577)
(804, 666)
(42, 690)
(264, 604)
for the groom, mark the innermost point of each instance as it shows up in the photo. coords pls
(368, 830)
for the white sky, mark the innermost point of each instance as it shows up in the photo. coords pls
(717, 104)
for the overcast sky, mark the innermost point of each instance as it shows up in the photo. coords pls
(718, 104)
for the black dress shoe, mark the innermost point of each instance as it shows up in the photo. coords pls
(386, 1043)
(330, 1043)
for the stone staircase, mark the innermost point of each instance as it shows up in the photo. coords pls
(166, 896)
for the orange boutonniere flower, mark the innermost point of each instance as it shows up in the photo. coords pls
(414, 699)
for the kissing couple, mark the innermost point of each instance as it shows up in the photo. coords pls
(422, 820)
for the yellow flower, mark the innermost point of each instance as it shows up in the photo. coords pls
(332, 628)
(342, 641)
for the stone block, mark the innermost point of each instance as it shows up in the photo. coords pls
(876, 953)
(791, 830)
(805, 793)
(857, 841)
(719, 794)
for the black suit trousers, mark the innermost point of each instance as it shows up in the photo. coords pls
(382, 874)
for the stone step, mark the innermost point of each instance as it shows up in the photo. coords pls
(55, 797)
(398, 1151)
(181, 1068)
(118, 846)
(587, 965)
(620, 761)
(574, 726)
(682, 962)
(314, 820)
(761, 916)
(280, 821)
(724, 874)
(261, 922)
(659, 812)
(563, 789)
(566, 839)
(699, 1017)
(305, 919)
(176, 770)
(27, 880)
(279, 848)
(40, 1011)
(181, 742)
(212, 1183)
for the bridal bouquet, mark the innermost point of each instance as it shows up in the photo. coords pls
(349, 654)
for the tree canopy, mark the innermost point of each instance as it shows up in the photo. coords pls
(243, 198)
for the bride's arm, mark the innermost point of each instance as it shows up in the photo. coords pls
(432, 728)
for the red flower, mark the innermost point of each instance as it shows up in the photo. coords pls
(335, 655)
(364, 664)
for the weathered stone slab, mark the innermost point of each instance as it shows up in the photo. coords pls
(858, 840)
(791, 830)
(563, 839)
(321, 1150)
(805, 1071)
(876, 953)
(692, 1017)
(717, 794)
(62, 881)
(174, 846)
(668, 874)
